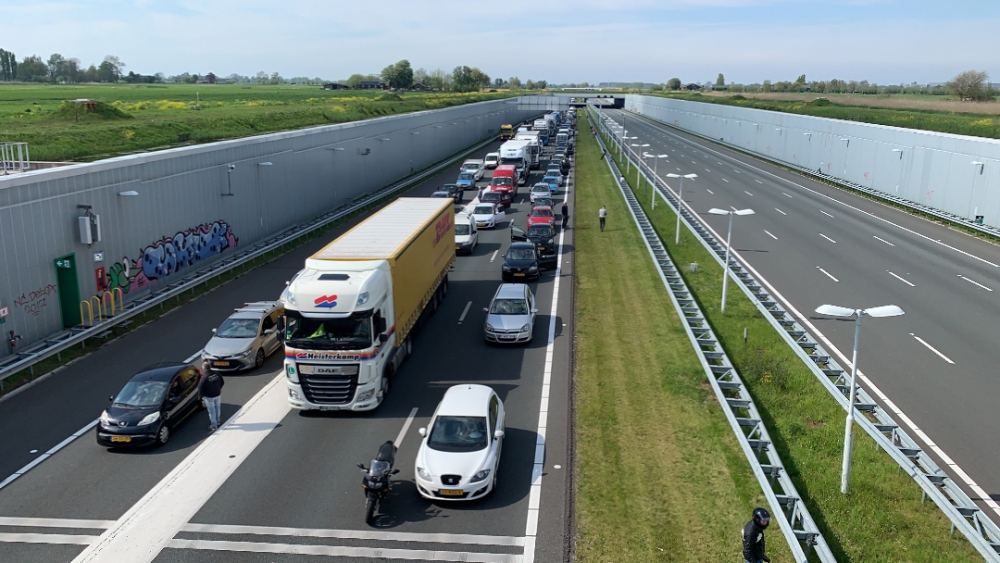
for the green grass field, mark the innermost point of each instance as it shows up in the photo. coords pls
(133, 118)
(882, 519)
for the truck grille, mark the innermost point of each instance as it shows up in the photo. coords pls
(328, 389)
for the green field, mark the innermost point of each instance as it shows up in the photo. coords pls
(883, 518)
(135, 118)
(977, 125)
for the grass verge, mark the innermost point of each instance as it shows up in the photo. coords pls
(883, 518)
(659, 473)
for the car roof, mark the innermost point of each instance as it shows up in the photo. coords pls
(541, 207)
(163, 371)
(465, 400)
(510, 290)
(541, 185)
(522, 244)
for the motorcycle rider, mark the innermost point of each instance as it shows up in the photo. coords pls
(753, 537)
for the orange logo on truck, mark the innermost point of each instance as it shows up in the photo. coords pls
(442, 228)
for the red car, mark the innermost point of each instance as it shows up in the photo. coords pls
(542, 215)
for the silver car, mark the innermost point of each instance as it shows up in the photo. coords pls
(248, 336)
(510, 318)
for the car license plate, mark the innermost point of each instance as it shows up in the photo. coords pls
(221, 364)
(121, 438)
(508, 336)
(518, 275)
(480, 224)
(329, 408)
(451, 492)
(541, 248)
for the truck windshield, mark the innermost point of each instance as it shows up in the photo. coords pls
(327, 334)
(515, 161)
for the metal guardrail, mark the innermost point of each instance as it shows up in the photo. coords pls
(57, 343)
(960, 509)
(798, 527)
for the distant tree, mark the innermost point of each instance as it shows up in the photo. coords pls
(211, 78)
(398, 75)
(89, 75)
(530, 84)
(116, 65)
(971, 84)
(260, 77)
(819, 87)
(656, 88)
(8, 65)
(159, 77)
(355, 80)
(541, 84)
(438, 79)
(465, 79)
(32, 69)
(766, 87)
(720, 80)
(57, 66)
(420, 76)
(800, 83)
(515, 83)
(499, 83)
(674, 84)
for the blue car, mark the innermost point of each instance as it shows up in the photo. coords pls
(553, 182)
(466, 181)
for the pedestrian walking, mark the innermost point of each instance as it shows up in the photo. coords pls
(753, 537)
(603, 213)
(604, 153)
(565, 215)
(211, 390)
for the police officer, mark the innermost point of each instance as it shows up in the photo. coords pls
(753, 537)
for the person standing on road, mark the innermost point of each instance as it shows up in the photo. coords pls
(211, 390)
(565, 214)
(603, 213)
(753, 537)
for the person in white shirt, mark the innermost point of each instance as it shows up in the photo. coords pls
(603, 213)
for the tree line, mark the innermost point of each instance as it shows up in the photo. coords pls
(401, 75)
(59, 69)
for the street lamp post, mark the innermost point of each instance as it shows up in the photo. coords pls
(846, 312)
(623, 153)
(637, 161)
(725, 266)
(656, 161)
(680, 199)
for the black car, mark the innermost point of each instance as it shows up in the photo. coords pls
(150, 405)
(542, 236)
(453, 190)
(520, 263)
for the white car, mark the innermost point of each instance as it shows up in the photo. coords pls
(487, 214)
(540, 189)
(466, 234)
(246, 338)
(459, 455)
(475, 166)
(492, 160)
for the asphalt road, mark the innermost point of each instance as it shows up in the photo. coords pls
(297, 492)
(815, 244)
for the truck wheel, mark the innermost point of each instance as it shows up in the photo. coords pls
(444, 287)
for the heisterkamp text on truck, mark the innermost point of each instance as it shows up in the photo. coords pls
(351, 314)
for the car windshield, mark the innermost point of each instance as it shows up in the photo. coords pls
(484, 209)
(543, 202)
(378, 468)
(440, 194)
(509, 307)
(536, 212)
(542, 231)
(449, 188)
(462, 229)
(490, 196)
(466, 176)
(352, 333)
(502, 181)
(458, 434)
(520, 254)
(540, 188)
(238, 328)
(141, 394)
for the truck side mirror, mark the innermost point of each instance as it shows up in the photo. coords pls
(383, 338)
(381, 324)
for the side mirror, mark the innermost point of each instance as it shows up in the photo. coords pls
(422, 432)
(533, 311)
(269, 331)
(383, 338)
(111, 399)
(395, 471)
(213, 330)
(498, 434)
(381, 325)
(485, 310)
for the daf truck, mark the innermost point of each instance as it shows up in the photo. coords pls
(516, 153)
(534, 147)
(352, 313)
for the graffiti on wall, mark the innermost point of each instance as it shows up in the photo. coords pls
(170, 255)
(35, 301)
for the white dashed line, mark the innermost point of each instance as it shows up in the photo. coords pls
(931, 348)
(465, 312)
(709, 191)
(406, 425)
(748, 193)
(828, 274)
(825, 213)
(900, 279)
(780, 211)
(828, 238)
(737, 171)
(725, 180)
(883, 240)
(786, 194)
(494, 257)
(759, 182)
(770, 235)
(975, 283)
(707, 170)
(49, 453)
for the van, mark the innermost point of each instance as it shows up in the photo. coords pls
(505, 177)
(492, 160)
(466, 233)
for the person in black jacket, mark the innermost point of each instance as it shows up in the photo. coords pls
(753, 537)
(211, 390)
(565, 214)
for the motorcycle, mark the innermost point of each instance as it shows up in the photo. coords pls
(377, 480)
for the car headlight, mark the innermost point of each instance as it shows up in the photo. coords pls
(489, 327)
(533, 269)
(104, 418)
(245, 353)
(149, 419)
(506, 268)
(526, 327)
(362, 299)
(424, 474)
(480, 476)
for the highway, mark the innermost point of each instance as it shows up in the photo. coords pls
(933, 368)
(276, 481)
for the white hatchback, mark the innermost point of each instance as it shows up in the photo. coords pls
(459, 455)
(541, 189)
(487, 215)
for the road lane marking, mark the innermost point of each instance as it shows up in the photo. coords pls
(733, 208)
(737, 171)
(748, 193)
(901, 279)
(758, 181)
(883, 240)
(61, 539)
(414, 537)
(678, 169)
(828, 238)
(780, 211)
(56, 523)
(494, 257)
(725, 180)
(465, 312)
(770, 235)
(931, 348)
(719, 163)
(368, 553)
(975, 283)
(406, 426)
(707, 170)
(709, 191)
(693, 162)
(825, 213)
(786, 194)
(828, 274)
(48, 454)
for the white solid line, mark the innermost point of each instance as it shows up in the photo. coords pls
(758, 181)
(748, 193)
(494, 257)
(368, 553)
(828, 238)
(709, 191)
(825, 213)
(780, 211)
(415, 537)
(55, 523)
(63, 539)
(900, 279)
(931, 348)
(406, 426)
(883, 240)
(725, 180)
(465, 312)
(48, 454)
(827, 274)
(769, 234)
(975, 283)
(786, 194)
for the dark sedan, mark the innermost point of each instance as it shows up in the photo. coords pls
(453, 190)
(520, 263)
(150, 405)
(503, 198)
(542, 236)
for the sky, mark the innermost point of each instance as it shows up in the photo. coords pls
(882, 41)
